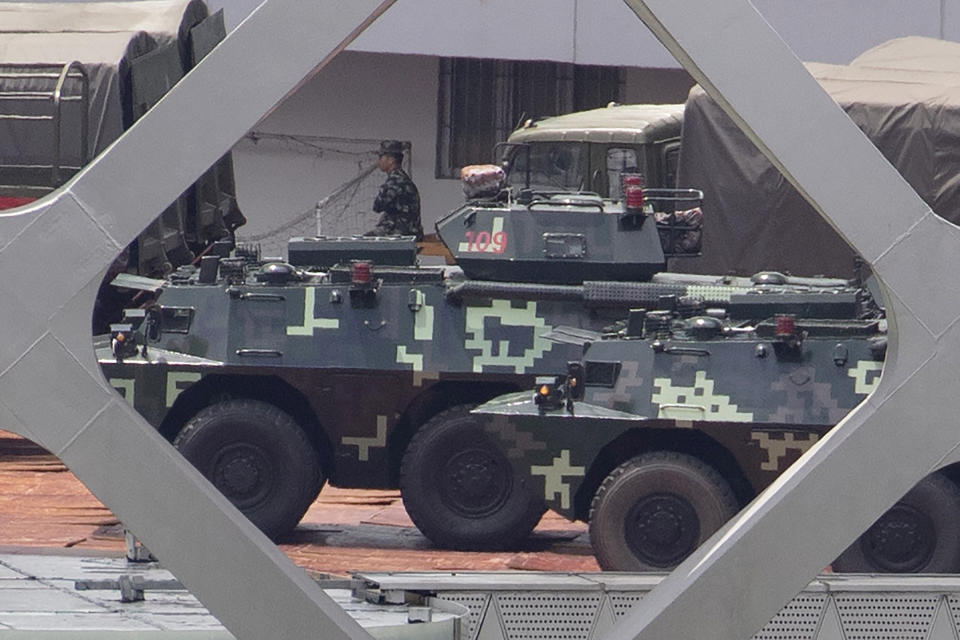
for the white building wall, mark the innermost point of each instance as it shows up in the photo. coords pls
(362, 96)
(607, 32)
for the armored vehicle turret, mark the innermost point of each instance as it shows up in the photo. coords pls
(571, 238)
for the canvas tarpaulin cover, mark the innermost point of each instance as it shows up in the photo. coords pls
(105, 38)
(904, 95)
(132, 53)
(167, 21)
(27, 60)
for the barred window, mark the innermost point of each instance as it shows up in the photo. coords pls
(481, 101)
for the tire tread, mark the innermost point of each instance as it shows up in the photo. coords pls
(611, 559)
(443, 529)
(282, 425)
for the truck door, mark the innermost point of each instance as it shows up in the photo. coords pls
(611, 163)
(669, 161)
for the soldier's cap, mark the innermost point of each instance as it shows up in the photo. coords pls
(391, 148)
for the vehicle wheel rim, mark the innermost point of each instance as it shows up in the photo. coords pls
(901, 541)
(662, 529)
(242, 473)
(474, 483)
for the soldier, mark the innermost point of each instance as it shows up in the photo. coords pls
(398, 202)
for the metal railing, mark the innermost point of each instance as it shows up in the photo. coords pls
(58, 86)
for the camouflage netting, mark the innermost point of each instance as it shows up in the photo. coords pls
(342, 207)
(344, 211)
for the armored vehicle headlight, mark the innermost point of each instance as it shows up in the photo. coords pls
(123, 341)
(549, 393)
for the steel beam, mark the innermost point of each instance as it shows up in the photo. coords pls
(54, 254)
(742, 576)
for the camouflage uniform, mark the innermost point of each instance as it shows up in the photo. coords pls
(399, 205)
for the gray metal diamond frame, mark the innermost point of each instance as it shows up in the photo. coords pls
(752, 567)
(51, 389)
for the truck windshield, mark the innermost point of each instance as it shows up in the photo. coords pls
(553, 166)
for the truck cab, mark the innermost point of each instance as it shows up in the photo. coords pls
(591, 150)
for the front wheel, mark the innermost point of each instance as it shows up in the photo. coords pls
(919, 534)
(461, 490)
(654, 510)
(258, 457)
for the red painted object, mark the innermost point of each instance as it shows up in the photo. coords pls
(44, 507)
(10, 202)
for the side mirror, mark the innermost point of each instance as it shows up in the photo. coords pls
(153, 326)
(575, 381)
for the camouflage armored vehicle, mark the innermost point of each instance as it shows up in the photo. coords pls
(350, 364)
(663, 432)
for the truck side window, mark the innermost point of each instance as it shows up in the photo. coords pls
(671, 160)
(620, 160)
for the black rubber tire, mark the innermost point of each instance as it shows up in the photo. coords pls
(919, 534)
(461, 490)
(258, 457)
(654, 510)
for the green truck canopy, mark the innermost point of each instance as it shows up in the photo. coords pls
(903, 94)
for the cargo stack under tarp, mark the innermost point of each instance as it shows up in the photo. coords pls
(904, 95)
(66, 96)
(74, 76)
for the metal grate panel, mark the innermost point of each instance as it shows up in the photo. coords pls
(476, 603)
(623, 602)
(876, 616)
(954, 602)
(548, 616)
(796, 621)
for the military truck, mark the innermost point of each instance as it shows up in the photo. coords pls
(73, 77)
(897, 93)
(591, 150)
(664, 431)
(349, 363)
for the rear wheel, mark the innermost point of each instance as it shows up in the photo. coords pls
(258, 457)
(461, 490)
(919, 534)
(654, 510)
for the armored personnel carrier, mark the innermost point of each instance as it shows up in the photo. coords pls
(349, 363)
(665, 430)
(346, 362)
